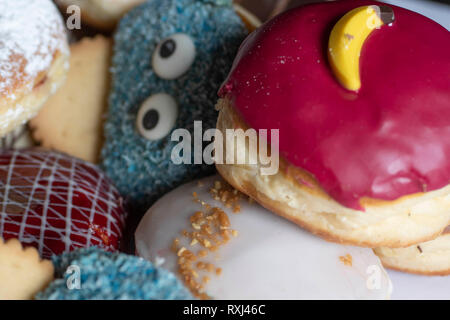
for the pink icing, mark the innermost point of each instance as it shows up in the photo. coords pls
(390, 139)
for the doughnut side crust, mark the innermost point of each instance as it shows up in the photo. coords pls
(102, 14)
(430, 258)
(22, 272)
(295, 195)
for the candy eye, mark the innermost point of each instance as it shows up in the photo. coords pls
(157, 116)
(173, 56)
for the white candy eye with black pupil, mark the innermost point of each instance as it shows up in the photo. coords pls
(157, 116)
(167, 48)
(173, 56)
(150, 120)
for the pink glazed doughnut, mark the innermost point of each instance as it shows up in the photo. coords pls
(369, 167)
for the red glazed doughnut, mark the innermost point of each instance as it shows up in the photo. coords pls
(368, 167)
(57, 203)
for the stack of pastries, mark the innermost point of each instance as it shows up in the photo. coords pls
(349, 100)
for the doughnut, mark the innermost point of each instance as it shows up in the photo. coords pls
(224, 246)
(18, 138)
(112, 276)
(73, 123)
(33, 59)
(57, 203)
(363, 135)
(427, 258)
(102, 14)
(170, 58)
(250, 20)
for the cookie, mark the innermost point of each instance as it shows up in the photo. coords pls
(33, 59)
(22, 272)
(72, 120)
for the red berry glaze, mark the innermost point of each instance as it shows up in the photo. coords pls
(389, 139)
(57, 203)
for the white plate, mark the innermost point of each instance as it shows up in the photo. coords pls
(410, 286)
(437, 11)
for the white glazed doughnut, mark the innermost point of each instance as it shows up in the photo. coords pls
(267, 258)
(33, 58)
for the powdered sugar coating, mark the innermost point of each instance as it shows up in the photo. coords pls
(57, 203)
(30, 34)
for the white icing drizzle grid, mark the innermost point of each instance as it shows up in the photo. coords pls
(31, 31)
(57, 203)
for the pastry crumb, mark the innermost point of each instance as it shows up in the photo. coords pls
(229, 196)
(346, 260)
(210, 229)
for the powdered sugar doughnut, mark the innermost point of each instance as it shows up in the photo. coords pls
(18, 138)
(250, 254)
(57, 203)
(33, 58)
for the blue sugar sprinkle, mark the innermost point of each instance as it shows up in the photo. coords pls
(112, 276)
(141, 169)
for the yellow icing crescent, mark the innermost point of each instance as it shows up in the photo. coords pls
(347, 38)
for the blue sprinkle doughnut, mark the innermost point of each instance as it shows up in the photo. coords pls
(142, 169)
(111, 276)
